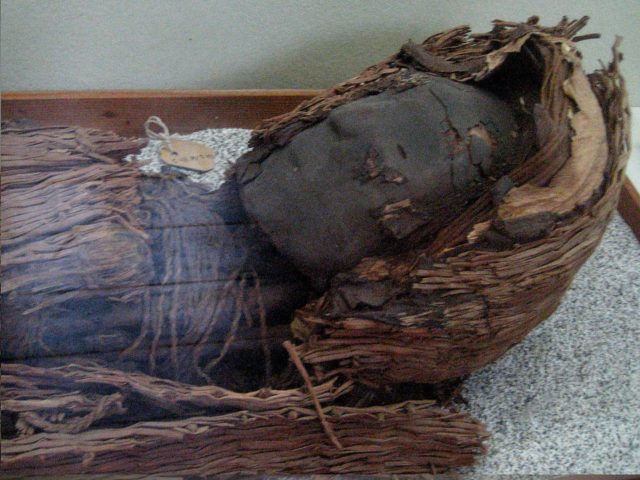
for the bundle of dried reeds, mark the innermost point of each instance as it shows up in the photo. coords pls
(200, 430)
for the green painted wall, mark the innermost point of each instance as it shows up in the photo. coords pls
(190, 44)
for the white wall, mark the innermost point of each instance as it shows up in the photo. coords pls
(189, 44)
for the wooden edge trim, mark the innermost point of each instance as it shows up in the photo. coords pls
(629, 206)
(125, 111)
(128, 94)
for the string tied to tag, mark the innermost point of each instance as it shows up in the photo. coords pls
(163, 135)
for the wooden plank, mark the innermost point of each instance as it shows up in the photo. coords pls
(629, 206)
(126, 111)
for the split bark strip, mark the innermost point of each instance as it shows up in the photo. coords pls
(264, 332)
(580, 177)
(412, 437)
(239, 294)
(27, 388)
(54, 421)
(307, 381)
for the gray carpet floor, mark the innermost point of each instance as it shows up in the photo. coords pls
(567, 399)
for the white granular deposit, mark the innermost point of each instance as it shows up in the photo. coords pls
(228, 143)
(566, 400)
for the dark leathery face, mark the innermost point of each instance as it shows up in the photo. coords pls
(379, 172)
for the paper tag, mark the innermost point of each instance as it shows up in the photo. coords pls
(190, 155)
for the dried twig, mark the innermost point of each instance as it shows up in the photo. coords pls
(295, 358)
